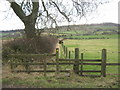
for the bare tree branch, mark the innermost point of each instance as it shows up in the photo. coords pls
(48, 12)
(60, 11)
(48, 15)
(18, 11)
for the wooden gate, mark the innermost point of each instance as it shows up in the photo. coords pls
(77, 63)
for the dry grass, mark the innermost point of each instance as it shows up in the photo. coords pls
(63, 80)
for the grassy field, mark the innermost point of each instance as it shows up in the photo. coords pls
(96, 36)
(88, 45)
(37, 80)
(91, 49)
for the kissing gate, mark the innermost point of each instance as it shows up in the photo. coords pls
(77, 63)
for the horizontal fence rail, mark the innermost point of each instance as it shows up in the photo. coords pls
(64, 63)
(112, 63)
(31, 55)
(60, 63)
(52, 71)
(87, 60)
(77, 62)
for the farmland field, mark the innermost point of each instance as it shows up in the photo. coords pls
(91, 46)
(92, 50)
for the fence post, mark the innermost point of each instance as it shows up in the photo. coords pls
(27, 66)
(57, 60)
(103, 64)
(69, 54)
(45, 66)
(62, 46)
(64, 49)
(11, 66)
(66, 52)
(76, 62)
(81, 64)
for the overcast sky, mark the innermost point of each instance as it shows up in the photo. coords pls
(105, 13)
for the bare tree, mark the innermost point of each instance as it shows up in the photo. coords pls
(40, 13)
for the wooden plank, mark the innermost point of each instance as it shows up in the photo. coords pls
(92, 75)
(91, 71)
(27, 63)
(64, 49)
(57, 61)
(94, 60)
(81, 64)
(69, 55)
(112, 74)
(34, 71)
(27, 67)
(11, 66)
(52, 71)
(40, 71)
(45, 66)
(86, 60)
(91, 63)
(31, 55)
(76, 62)
(63, 63)
(108, 64)
(103, 64)
(66, 52)
(66, 59)
(112, 63)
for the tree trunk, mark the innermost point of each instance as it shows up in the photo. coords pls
(30, 20)
(29, 29)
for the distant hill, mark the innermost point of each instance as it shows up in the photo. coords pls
(87, 28)
(12, 31)
(70, 26)
(106, 24)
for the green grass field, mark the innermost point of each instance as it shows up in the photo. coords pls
(96, 36)
(91, 49)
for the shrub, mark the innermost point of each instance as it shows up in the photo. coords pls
(37, 45)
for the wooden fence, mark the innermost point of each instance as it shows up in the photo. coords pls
(77, 62)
